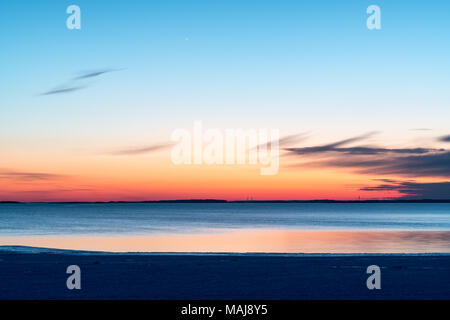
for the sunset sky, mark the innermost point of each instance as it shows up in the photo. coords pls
(87, 115)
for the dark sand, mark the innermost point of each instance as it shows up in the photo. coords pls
(41, 274)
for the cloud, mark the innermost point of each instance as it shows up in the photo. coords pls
(74, 85)
(28, 176)
(63, 90)
(445, 139)
(292, 138)
(411, 162)
(94, 73)
(358, 150)
(161, 146)
(332, 146)
(415, 190)
(428, 165)
(143, 150)
(421, 129)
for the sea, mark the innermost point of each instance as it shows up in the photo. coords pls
(229, 227)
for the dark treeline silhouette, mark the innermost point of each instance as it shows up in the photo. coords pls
(243, 201)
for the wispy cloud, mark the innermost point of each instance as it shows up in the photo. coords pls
(283, 141)
(63, 90)
(74, 84)
(294, 138)
(421, 129)
(332, 146)
(357, 150)
(28, 176)
(94, 73)
(142, 150)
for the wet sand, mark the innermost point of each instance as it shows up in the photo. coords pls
(27, 273)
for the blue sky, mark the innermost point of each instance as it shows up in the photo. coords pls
(200, 58)
(300, 66)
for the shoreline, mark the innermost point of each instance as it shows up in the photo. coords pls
(40, 274)
(38, 250)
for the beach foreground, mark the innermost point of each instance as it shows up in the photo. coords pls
(28, 273)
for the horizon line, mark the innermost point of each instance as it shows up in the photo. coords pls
(238, 201)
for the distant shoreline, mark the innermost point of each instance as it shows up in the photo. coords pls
(234, 201)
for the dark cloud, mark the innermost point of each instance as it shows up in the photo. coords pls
(143, 150)
(411, 162)
(415, 190)
(428, 165)
(331, 146)
(360, 150)
(386, 180)
(357, 150)
(445, 139)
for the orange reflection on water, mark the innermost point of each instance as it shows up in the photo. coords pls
(253, 240)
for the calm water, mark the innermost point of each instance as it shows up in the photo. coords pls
(236, 227)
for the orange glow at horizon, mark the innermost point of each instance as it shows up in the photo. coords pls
(115, 178)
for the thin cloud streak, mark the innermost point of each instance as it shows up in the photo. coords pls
(329, 147)
(143, 150)
(29, 176)
(94, 73)
(63, 90)
(293, 138)
(72, 86)
(360, 150)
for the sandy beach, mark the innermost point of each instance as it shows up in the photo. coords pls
(32, 273)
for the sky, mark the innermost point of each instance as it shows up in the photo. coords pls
(88, 114)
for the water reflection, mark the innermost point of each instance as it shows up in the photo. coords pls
(253, 240)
